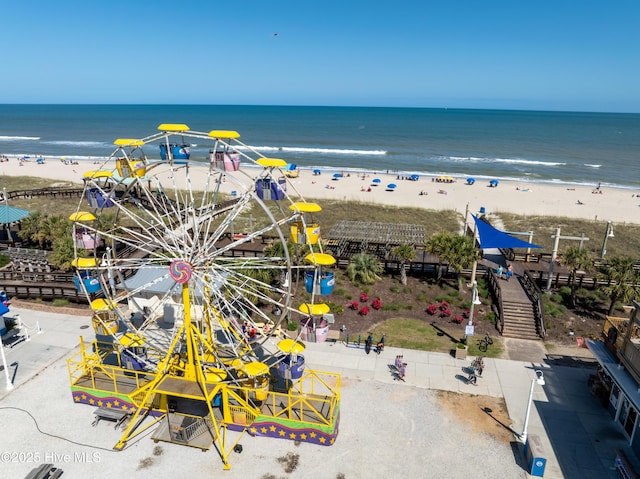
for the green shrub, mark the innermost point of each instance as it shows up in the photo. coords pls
(491, 316)
(60, 302)
(565, 292)
(292, 326)
(340, 292)
(406, 290)
(395, 288)
(395, 306)
(4, 260)
(554, 310)
(556, 298)
(422, 297)
(336, 309)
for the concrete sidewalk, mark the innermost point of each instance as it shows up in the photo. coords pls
(579, 437)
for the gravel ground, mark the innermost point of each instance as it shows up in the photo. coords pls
(387, 431)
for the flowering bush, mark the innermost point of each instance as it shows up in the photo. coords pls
(376, 304)
(431, 309)
(457, 319)
(364, 311)
(444, 305)
(364, 297)
(445, 313)
(354, 305)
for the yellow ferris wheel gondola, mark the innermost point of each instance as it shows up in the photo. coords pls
(305, 231)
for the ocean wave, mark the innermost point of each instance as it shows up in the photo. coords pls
(592, 166)
(511, 161)
(330, 151)
(514, 161)
(19, 138)
(77, 143)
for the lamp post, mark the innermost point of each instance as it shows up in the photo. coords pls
(6, 369)
(474, 300)
(539, 379)
(607, 234)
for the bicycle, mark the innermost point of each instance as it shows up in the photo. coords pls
(478, 365)
(483, 344)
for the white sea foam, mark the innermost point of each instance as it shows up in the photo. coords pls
(77, 143)
(19, 138)
(330, 151)
(592, 166)
(529, 162)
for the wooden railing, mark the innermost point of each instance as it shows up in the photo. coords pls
(492, 281)
(535, 295)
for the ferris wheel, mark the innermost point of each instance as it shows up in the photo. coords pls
(221, 240)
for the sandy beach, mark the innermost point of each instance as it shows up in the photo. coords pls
(605, 204)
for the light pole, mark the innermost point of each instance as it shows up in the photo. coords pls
(607, 234)
(474, 300)
(6, 369)
(540, 380)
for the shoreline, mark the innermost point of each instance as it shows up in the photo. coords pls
(620, 205)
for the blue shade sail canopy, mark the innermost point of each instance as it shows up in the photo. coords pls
(11, 214)
(493, 238)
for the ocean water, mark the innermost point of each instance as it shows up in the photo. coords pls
(533, 146)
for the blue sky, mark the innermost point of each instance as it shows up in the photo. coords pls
(543, 55)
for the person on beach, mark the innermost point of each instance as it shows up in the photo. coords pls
(499, 271)
(509, 272)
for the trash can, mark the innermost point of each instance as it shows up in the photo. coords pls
(534, 453)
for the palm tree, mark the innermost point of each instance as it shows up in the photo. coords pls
(404, 253)
(460, 254)
(364, 268)
(623, 281)
(63, 253)
(576, 258)
(437, 245)
(31, 227)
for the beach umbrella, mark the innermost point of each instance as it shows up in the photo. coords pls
(376, 180)
(415, 177)
(336, 176)
(316, 172)
(391, 186)
(493, 183)
(471, 181)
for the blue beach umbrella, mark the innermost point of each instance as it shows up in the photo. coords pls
(316, 172)
(415, 177)
(336, 176)
(471, 181)
(376, 180)
(493, 183)
(391, 186)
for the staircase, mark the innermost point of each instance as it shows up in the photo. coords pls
(519, 319)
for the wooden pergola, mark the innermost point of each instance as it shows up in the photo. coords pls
(347, 238)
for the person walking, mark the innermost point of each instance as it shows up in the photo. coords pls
(509, 271)
(402, 371)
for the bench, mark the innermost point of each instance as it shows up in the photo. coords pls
(333, 335)
(44, 471)
(115, 415)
